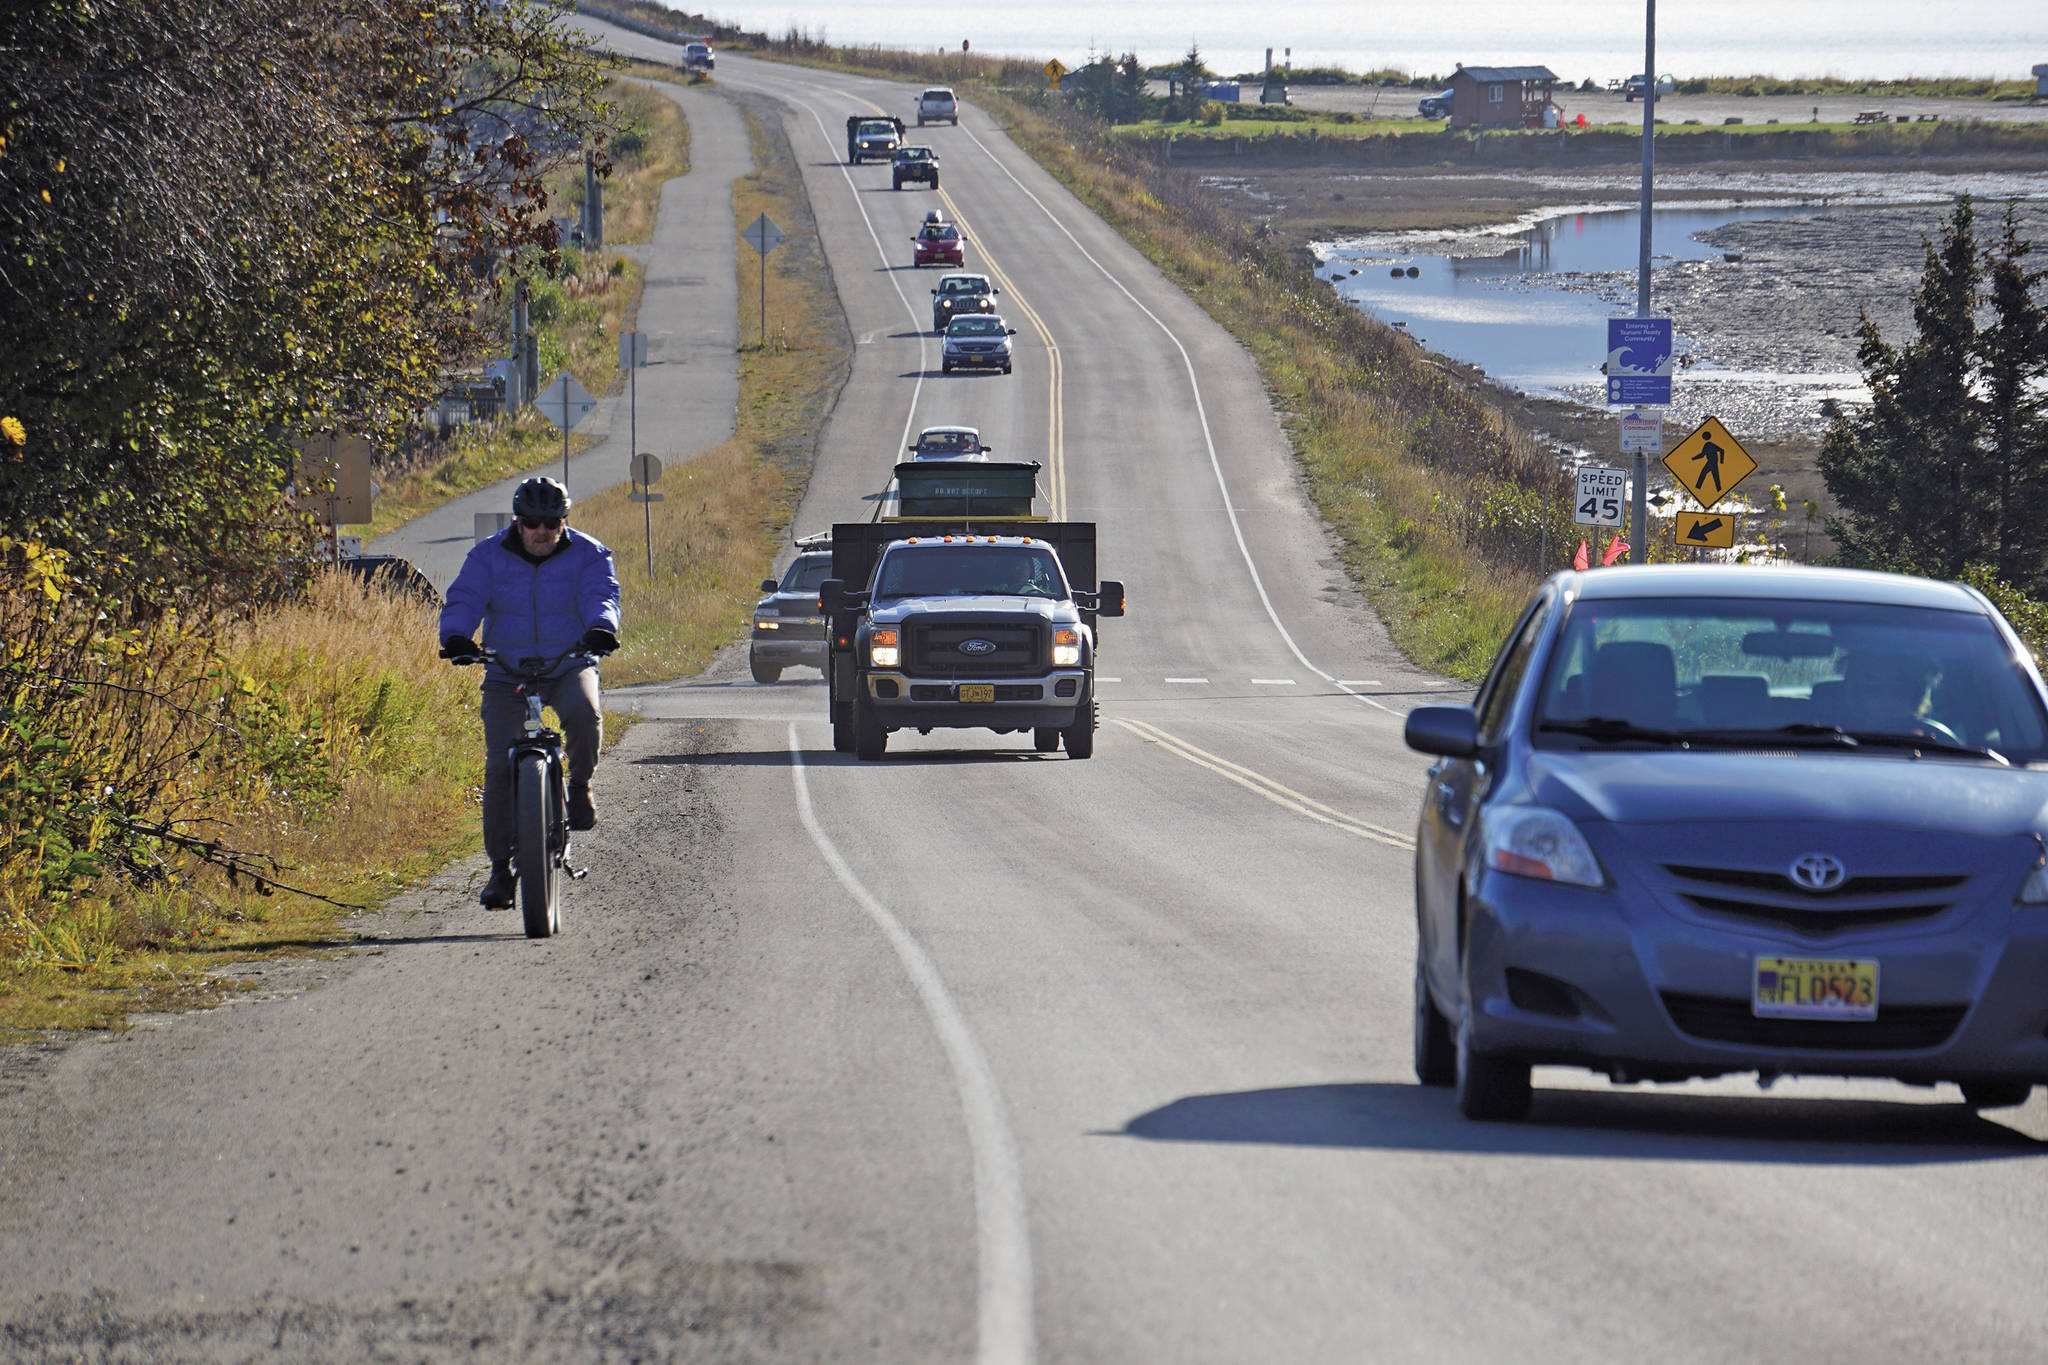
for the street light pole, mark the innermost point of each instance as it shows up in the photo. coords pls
(1639, 552)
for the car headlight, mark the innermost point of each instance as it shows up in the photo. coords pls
(1535, 841)
(1066, 648)
(883, 651)
(766, 622)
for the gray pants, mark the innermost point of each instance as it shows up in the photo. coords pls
(575, 699)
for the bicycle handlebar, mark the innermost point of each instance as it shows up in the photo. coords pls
(531, 669)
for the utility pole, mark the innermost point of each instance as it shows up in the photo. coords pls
(1639, 516)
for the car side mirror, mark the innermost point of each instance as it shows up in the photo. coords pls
(769, 585)
(831, 596)
(995, 291)
(1446, 731)
(935, 293)
(1109, 598)
(1012, 331)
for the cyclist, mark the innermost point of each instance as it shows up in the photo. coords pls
(539, 589)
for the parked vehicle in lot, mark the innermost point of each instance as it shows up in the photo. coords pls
(1435, 106)
(869, 137)
(949, 443)
(1702, 820)
(937, 105)
(958, 295)
(914, 165)
(1632, 89)
(788, 628)
(976, 341)
(938, 242)
(699, 57)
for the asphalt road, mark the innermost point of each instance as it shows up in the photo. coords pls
(977, 1054)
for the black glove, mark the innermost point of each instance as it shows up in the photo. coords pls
(461, 649)
(599, 641)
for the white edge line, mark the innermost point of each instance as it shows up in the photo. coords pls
(1003, 1234)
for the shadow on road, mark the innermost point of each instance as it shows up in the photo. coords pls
(827, 758)
(1599, 1125)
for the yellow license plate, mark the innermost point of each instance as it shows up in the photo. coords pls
(977, 691)
(1815, 988)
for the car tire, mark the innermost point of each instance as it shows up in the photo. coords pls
(1436, 1051)
(1006, 369)
(1080, 736)
(764, 672)
(1996, 1094)
(945, 367)
(1490, 1088)
(870, 736)
(1046, 738)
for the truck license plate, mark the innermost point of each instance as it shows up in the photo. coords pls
(977, 691)
(1815, 988)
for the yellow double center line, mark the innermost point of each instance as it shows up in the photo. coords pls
(1258, 783)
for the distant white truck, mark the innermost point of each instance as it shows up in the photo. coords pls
(937, 105)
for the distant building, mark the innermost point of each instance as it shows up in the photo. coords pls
(1502, 97)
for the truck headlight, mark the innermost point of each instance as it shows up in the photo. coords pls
(1066, 648)
(766, 622)
(882, 649)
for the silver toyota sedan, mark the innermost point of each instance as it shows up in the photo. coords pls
(1709, 819)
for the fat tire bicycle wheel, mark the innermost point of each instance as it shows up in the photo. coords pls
(537, 872)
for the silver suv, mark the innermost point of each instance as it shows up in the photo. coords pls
(937, 105)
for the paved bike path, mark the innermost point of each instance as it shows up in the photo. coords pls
(689, 390)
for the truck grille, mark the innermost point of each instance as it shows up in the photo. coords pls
(935, 649)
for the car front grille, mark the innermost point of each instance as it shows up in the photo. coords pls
(1763, 897)
(1897, 1028)
(935, 649)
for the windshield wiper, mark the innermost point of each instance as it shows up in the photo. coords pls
(1802, 734)
(1915, 740)
(1610, 730)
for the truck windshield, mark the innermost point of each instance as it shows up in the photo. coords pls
(807, 573)
(979, 571)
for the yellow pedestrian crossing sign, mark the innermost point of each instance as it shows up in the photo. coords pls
(1709, 463)
(1716, 529)
(1053, 72)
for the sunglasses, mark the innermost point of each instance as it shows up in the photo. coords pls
(535, 523)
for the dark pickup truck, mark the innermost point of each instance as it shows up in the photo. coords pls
(872, 135)
(964, 612)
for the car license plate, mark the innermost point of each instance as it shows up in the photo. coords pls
(977, 691)
(1815, 988)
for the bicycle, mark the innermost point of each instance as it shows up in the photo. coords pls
(540, 799)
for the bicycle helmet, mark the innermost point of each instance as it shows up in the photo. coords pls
(540, 498)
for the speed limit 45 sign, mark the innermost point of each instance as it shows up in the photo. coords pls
(1602, 497)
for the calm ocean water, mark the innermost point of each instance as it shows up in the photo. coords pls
(1601, 39)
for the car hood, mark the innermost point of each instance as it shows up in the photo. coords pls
(1695, 788)
(791, 603)
(897, 609)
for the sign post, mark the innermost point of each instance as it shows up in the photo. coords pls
(342, 465)
(764, 237)
(1053, 71)
(646, 469)
(632, 355)
(565, 403)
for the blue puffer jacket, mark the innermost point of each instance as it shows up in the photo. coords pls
(533, 608)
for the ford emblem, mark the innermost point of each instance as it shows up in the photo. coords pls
(1817, 872)
(977, 646)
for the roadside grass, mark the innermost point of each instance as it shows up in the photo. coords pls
(382, 789)
(720, 523)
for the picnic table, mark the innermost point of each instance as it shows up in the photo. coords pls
(1871, 116)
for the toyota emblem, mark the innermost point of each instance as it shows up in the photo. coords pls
(1817, 872)
(977, 646)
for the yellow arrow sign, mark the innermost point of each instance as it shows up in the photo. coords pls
(1053, 71)
(1709, 463)
(1716, 529)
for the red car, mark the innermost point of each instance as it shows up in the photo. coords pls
(939, 244)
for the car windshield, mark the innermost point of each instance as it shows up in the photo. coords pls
(807, 573)
(1812, 674)
(948, 443)
(877, 129)
(950, 571)
(939, 232)
(980, 326)
(914, 154)
(961, 284)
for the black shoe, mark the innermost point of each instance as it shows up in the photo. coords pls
(497, 892)
(582, 814)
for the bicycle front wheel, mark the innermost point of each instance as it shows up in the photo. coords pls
(537, 874)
